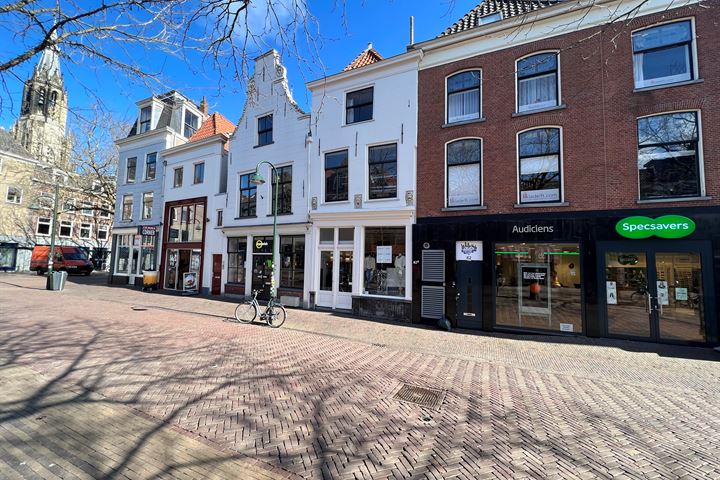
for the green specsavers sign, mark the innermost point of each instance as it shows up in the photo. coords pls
(667, 226)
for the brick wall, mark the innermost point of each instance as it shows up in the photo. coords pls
(599, 122)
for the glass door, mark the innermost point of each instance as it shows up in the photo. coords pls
(655, 293)
(344, 281)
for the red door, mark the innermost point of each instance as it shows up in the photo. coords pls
(217, 274)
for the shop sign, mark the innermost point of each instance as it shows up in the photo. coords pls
(468, 251)
(190, 281)
(149, 230)
(533, 229)
(384, 254)
(667, 226)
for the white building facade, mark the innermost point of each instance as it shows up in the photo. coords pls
(271, 129)
(164, 121)
(362, 186)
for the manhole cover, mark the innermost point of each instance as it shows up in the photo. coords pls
(425, 397)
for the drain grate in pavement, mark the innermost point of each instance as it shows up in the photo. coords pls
(425, 397)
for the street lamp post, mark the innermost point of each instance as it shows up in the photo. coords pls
(257, 179)
(51, 255)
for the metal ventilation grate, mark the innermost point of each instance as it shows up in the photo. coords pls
(433, 265)
(425, 397)
(432, 301)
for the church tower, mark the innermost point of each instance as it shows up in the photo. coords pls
(43, 114)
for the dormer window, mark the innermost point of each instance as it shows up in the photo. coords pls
(191, 124)
(145, 117)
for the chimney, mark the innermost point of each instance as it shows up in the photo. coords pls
(412, 30)
(204, 106)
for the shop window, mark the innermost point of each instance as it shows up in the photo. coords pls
(346, 236)
(668, 160)
(284, 185)
(464, 170)
(237, 253)
(85, 231)
(43, 226)
(147, 205)
(199, 173)
(292, 261)
(464, 97)
(326, 271)
(248, 197)
(123, 253)
(265, 130)
(537, 82)
(186, 223)
(663, 54)
(127, 208)
(359, 106)
(148, 253)
(130, 169)
(539, 165)
(336, 176)
(65, 229)
(14, 195)
(8, 256)
(327, 236)
(382, 170)
(150, 165)
(537, 286)
(384, 265)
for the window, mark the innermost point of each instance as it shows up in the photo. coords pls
(219, 219)
(186, 223)
(336, 176)
(284, 199)
(292, 261)
(359, 106)
(43, 226)
(248, 197)
(69, 206)
(127, 208)
(668, 160)
(14, 195)
(464, 173)
(382, 171)
(191, 124)
(177, 177)
(87, 209)
(538, 286)
(145, 116)
(130, 169)
(384, 264)
(147, 252)
(463, 96)
(102, 233)
(150, 165)
(537, 82)
(265, 130)
(105, 211)
(147, 205)
(198, 173)
(85, 230)
(65, 229)
(237, 252)
(663, 54)
(539, 165)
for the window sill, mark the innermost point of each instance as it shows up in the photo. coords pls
(339, 202)
(284, 214)
(244, 218)
(673, 200)
(668, 85)
(562, 106)
(541, 205)
(263, 145)
(375, 200)
(357, 123)
(464, 209)
(148, 180)
(463, 122)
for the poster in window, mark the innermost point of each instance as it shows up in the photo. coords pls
(681, 294)
(384, 254)
(190, 283)
(534, 294)
(662, 292)
(611, 289)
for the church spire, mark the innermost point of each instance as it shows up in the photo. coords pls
(49, 63)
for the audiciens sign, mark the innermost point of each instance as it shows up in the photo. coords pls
(667, 226)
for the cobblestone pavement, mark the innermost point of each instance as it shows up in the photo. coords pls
(315, 398)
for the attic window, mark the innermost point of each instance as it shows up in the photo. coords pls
(191, 124)
(493, 17)
(145, 116)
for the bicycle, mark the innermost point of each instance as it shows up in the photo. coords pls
(274, 314)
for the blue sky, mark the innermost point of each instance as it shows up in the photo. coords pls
(385, 23)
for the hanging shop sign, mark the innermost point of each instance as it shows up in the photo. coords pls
(667, 226)
(468, 251)
(149, 230)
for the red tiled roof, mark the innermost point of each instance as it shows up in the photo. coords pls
(366, 57)
(214, 124)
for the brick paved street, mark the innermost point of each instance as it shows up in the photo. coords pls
(314, 399)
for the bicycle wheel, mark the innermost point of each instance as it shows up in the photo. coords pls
(276, 316)
(246, 312)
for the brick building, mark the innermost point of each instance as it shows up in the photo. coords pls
(544, 130)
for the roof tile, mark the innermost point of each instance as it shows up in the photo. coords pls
(507, 9)
(214, 124)
(366, 57)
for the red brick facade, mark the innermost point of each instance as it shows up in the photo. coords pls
(599, 129)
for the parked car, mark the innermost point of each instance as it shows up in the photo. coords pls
(69, 259)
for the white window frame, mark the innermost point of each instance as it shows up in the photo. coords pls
(560, 165)
(89, 228)
(145, 167)
(559, 83)
(150, 125)
(658, 83)
(447, 104)
(203, 176)
(184, 125)
(219, 217)
(257, 128)
(182, 180)
(69, 203)
(105, 229)
(48, 223)
(354, 89)
(122, 207)
(127, 178)
(85, 206)
(18, 199)
(152, 206)
(482, 173)
(104, 213)
(395, 142)
(699, 153)
(64, 223)
(322, 182)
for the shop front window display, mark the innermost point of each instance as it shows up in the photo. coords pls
(384, 264)
(537, 286)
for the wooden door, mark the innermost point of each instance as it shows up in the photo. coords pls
(216, 274)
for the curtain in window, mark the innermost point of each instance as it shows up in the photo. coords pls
(537, 92)
(464, 185)
(464, 105)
